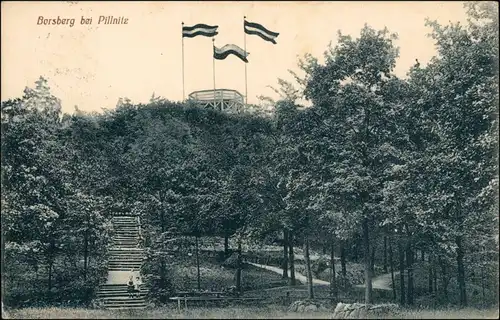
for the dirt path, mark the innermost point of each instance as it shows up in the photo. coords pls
(298, 276)
(382, 282)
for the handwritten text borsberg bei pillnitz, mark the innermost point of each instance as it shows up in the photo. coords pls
(102, 20)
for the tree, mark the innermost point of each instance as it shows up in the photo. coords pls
(347, 92)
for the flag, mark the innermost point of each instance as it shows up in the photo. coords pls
(199, 30)
(261, 31)
(222, 53)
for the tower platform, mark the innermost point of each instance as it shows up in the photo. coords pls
(218, 99)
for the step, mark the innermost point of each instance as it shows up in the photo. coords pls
(126, 252)
(118, 294)
(119, 257)
(125, 242)
(115, 287)
(125, 259)
(125, 263)
(125, 245)
(122, 292)
(125, 266)
(104, 295)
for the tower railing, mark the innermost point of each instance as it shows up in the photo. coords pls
(218, 99)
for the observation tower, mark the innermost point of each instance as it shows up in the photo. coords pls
(219, 99)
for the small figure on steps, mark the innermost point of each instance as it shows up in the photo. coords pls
(130, 286)
(137, 286)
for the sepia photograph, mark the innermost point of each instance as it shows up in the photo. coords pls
(249, 159)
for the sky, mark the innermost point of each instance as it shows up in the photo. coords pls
(93, 65)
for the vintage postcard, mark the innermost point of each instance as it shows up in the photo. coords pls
(274, 159)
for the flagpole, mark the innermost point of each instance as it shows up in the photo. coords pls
(245, 45)
(213, 62)
(183, 92)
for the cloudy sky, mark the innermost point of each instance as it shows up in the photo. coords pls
(93, 65)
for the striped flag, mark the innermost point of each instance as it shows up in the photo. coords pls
(222, 53)
(199, 29)
(261, 31)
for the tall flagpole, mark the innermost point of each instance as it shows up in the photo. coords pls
(245, 45)
(183, 92)
(213, 62)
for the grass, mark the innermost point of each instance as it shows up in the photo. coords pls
(265, 312)
(212, 275)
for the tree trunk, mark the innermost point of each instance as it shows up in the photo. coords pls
(238, 266)
(308, 269)
(343, 264)
(409, 267)
(354, 251)
(401, 274)
(422, 255)
(285, 254)
(49, 292)
(444, 279)
(431, 276)
(333, 282)
(435, 274)
(162, 271)
(198, 280)
(385, 254)
(162, 258)
(391, 262)
(368, 275)
(461, 272)
(85, 254)
(482, 286)
(226, 244)
(292, 259)
(372, 260)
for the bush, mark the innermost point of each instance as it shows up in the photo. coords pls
(160, 288)
(231, 262)
(318, 266)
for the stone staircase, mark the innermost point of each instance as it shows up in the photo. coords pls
(124, 255)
